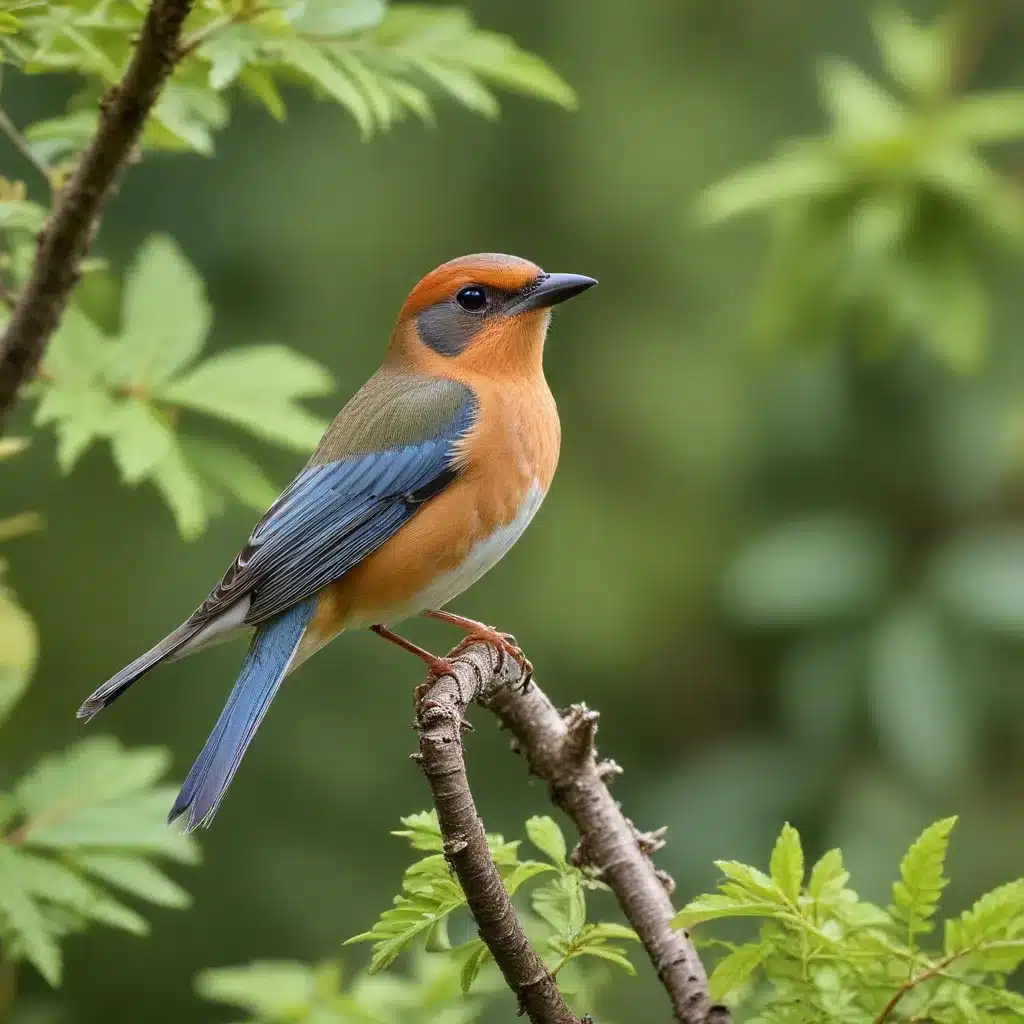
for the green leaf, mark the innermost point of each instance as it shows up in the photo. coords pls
(545, 834)
(749, 880)
(12, 446)
(227, 469)
(256, 388)
(328, 17)
(322, 72)
(799, 172)
(177, 482)
(80, 414)
(916, 895)
(919, 711)
(140, 439)
(981, 117)
(19, 644)
(828, 877)
(23, 920)
(787, 863)
(52, 882)
(259, 84)
(713, 906)
(561, 904)
(977, 577)
(267, 989)
(21, 215)
(78, 353)
(996, 916)
(919, 59)
(423, 831)
(733, 970)
(808, 571)
(861, 108)
(478, 955)
(135, 876)
(165, 317)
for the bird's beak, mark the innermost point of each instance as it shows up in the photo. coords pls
(550, 290)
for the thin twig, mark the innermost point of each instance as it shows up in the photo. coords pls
(20, 143)
(68, 234)
(465, 846)
(560, 750)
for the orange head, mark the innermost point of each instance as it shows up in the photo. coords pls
(485, 312)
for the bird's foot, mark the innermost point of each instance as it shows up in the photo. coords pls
(436, 667)
(504, 643)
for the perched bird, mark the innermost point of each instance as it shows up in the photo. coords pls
(424, 480)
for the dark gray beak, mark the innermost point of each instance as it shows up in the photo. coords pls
(550, 290)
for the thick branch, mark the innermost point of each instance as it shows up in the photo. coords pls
(68, 234)
(465, 847)
(560, 750)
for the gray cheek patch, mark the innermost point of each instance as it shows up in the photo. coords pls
(447, 329)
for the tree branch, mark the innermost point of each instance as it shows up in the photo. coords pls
(560, 750)
(68, 234)
(465, 847)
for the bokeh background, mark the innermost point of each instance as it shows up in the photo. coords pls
(859, 675)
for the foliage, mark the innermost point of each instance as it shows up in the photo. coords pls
(880, 223)
(419, 922)
(90, 821)
(822, 953)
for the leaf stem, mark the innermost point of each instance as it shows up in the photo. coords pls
(21, 144)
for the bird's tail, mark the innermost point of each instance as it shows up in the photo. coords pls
(116, 685)
(270, 656)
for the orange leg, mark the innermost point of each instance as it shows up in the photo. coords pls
(438, 666)
(505, 643)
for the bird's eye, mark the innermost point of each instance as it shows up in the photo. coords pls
(472, 299)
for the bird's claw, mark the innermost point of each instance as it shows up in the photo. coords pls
(506, 646)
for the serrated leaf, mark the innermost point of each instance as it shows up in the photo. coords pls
(478, 955)
(545, 834)
(828, 876)
(916, 895)
(260, 85)
(713, 906)
(610, 953)
(749, 880)
(522, 873)
(787, 863)
(165, 317)
(256, 388)
(328, 17)
(561, 904)
(998, 915)
(140, 439)
(24, 921)
(135, 876)
(277, 990)
(423, 831)
(733, 970)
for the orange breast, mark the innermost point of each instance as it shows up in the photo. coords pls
(507, 460)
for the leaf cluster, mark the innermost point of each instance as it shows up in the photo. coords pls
(824, 954)
(878, 224)
(451, 978)
(131, 389)
(380, 63)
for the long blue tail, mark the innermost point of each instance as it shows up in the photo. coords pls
(266, 664)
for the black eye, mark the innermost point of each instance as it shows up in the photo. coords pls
(472, 299)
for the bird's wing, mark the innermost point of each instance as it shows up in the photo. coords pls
(338, 511)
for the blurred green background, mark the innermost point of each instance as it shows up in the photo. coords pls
(858, 675)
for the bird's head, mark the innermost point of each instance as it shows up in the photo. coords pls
(487, 312)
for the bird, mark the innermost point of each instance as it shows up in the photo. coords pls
(420, 485)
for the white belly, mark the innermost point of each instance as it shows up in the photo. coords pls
(484, 555)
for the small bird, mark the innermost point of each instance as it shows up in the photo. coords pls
(424, 480)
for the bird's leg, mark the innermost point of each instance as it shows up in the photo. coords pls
(436, 666)
(504, 643)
